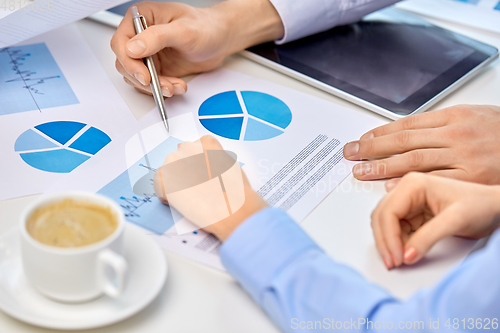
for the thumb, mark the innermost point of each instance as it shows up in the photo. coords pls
(154, 39)
(429, 234)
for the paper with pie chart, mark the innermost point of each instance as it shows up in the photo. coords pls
(59, 112)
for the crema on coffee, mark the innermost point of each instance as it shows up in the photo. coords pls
(71, 223)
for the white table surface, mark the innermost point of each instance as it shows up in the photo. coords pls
(201, 299)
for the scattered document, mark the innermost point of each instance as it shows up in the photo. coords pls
(483, 14)
(289, 144)
(58, 111)
(21, 20)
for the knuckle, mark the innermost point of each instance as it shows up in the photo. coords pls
(155, 33)
(415, 159)
(374, 216)
(409, 122)
(113, 43)
(462, 132)
(379, 131)
(461, 111)
(402, 139)
(209, 141)
(189, 35)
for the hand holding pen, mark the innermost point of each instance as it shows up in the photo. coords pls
(185, 40)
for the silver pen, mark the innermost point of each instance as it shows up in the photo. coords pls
(140, 25)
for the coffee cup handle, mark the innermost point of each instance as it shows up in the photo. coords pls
(109, 259)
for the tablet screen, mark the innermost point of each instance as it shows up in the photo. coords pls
(391, 61)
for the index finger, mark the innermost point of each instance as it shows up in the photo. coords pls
(431, 119)
(404, 201)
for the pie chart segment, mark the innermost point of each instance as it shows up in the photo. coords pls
(91, 141)
(226, 127)
(45, 147)
(61, 131)
(57, 161)
(245, 115)
(30, 140)
(267, 108)
(221, 104)
(257, 130)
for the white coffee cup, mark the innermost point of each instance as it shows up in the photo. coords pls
(75, 274)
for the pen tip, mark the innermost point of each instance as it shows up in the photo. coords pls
(135, 12)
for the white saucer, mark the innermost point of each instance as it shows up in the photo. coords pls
(147, 275)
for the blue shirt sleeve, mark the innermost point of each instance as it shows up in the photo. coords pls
(306, 17)
(301, 288)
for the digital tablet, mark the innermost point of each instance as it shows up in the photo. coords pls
(390, 62)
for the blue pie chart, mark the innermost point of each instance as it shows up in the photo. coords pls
(245, 115)
(60, 146)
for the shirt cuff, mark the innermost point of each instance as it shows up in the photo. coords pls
(303, 18)
(261, 247)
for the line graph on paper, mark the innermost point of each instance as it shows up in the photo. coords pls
(30, 79)
(144, 188)
(133, 190)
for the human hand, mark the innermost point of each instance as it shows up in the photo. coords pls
(461, 142)
(206, 185)
(185, 40)
(422, 209)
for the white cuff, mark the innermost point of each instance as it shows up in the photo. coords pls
(302, 18)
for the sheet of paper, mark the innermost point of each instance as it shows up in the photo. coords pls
(23, 19)
(483, 14)
(58, 110)
(288, 143)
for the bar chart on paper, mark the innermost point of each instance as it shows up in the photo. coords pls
(30, 79)
(60, 146)
(245, 115)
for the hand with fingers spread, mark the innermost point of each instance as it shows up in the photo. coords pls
(422, 209)
(185, 40)
(461, 142)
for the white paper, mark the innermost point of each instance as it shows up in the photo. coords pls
(21, 19)
(308, 152)
(61, 81)
(483, 14)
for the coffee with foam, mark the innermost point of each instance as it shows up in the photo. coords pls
(71, 223)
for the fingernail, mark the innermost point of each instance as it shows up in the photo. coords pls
(362, 169)
(387, 263)
(369, 136)
(166, 92)
(390, 184)
(410, 255)
(351, 149)
(140, 78)
(178, 89)
(136, 46)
